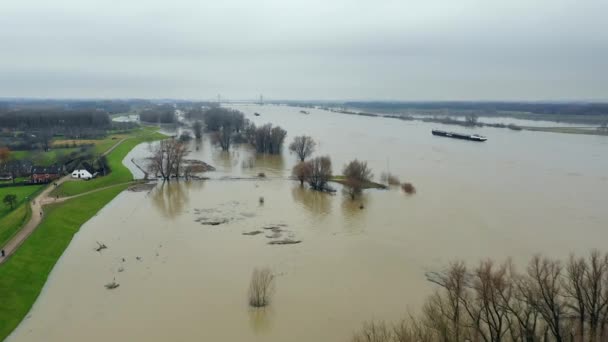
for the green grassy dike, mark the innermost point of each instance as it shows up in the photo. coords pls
(119, 174)
(12, 221)
(24, 274)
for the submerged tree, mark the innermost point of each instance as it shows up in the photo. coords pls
(197, 127)
(268, 139)
(303, 146)
(223, 137)
(302, 172)
(320, 172)
(167, 158)
(356, 174)
(471, 119)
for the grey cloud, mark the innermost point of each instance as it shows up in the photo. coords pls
(467, 49)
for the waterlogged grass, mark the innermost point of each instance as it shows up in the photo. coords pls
(24, 274)
(120, 174)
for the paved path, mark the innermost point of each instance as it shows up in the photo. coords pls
(37, 204)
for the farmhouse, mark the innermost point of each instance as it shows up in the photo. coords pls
(46, 174)
(82, 174)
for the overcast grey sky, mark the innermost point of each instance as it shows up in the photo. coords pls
(305, 49)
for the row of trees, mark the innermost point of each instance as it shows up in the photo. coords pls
(266, 138)
(52, 117)
(549, 301)
(317, 171)
(229, 125)
(159, 114)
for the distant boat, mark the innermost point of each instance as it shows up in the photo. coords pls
(256, 114)
(304, 112)
(472, 137)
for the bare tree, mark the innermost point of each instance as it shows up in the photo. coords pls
(224, 137)
(320, 172)
(167, 158)
(374, 332)
(454, 281)
(523, 319)
(197, 127)
(585, 286)
(356, 174)
(266, 139)
(46, 137)
(546, 294)
(494, 303)
(261, 287)
(5, 154)
(302, 171)
(303, 146)
(491, 287)
(471, 119)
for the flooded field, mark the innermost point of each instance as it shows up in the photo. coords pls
(184, 264)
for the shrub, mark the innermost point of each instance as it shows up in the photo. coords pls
(261, 287)
(408, 188)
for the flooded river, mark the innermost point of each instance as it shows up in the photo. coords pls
(182, 279)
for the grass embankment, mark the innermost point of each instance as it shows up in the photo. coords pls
(22, 192)
(120, 173)
(24, 274)
(12, 220)
(367, 185)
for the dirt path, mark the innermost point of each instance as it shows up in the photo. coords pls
(37, 204)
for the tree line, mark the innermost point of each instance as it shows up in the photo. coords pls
(551, 300)
(490, 107)
(159, 114)
(53, 118)
(229, 126)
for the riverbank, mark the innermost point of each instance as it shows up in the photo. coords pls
(568, 130)
(23, 276)
(454, 121)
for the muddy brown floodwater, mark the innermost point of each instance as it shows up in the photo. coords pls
(184, 264)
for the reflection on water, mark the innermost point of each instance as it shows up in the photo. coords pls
(317, 203)
(260, 319)
(170, 197)
(354, 211)
(271, 164)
